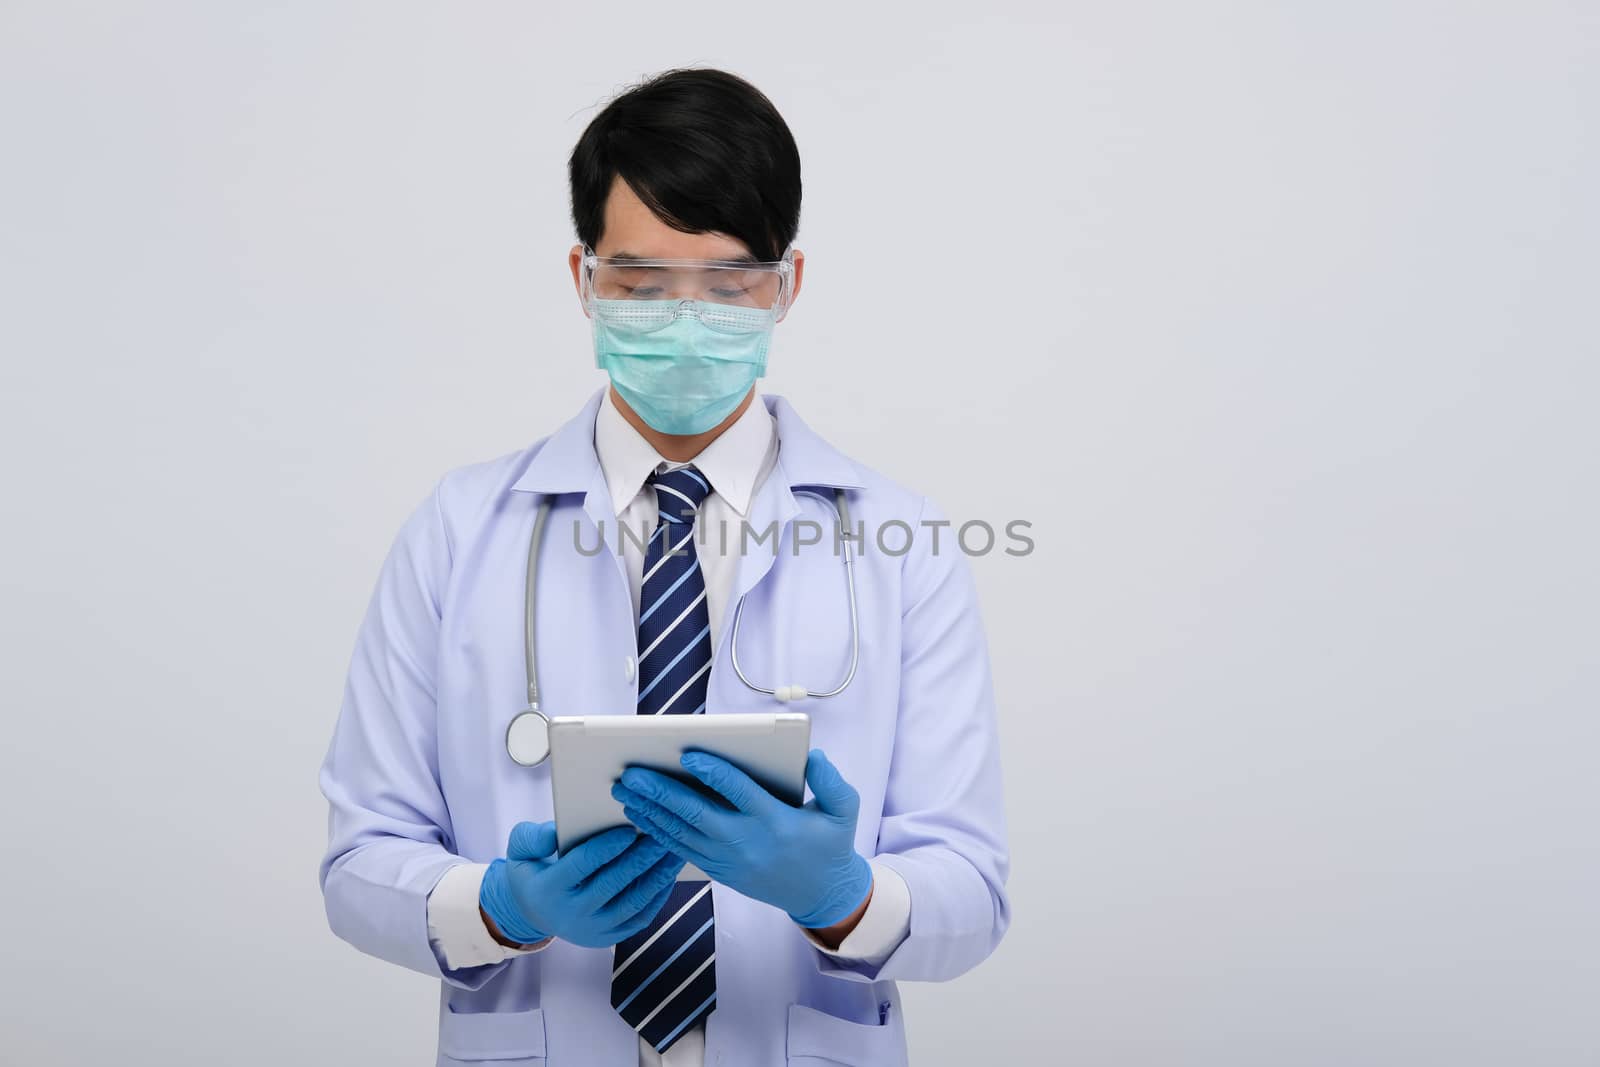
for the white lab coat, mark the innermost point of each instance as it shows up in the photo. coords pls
(418, 779)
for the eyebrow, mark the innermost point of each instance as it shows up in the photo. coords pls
(745, 257)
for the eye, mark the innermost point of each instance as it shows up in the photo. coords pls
(644, 292)
(730, 294)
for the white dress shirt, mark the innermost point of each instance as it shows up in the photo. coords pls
(735, 464)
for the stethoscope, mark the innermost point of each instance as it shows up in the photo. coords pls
(528, 735)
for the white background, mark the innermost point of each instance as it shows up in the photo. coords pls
(1277, 322)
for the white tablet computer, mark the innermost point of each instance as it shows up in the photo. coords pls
(589, 752)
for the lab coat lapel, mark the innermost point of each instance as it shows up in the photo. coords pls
(770, 513)
(597, 506)
(771, 510)
(567, 463)
(803, 459)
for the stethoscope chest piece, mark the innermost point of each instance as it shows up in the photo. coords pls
(528, 738)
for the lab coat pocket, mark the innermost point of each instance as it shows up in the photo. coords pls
(505, 1037)
(817, 1039)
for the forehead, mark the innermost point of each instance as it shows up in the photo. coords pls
(631, 229)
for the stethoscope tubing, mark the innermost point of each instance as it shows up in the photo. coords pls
(794, 692)
(532, 711)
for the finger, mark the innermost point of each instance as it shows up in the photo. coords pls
(653, 906)
(652, 831)
(531, 841)
(611, 879)
(701, 812)
(742, 791)
(835, 796)
(626, 904)
(643, 917)
(679, 831)
(583, 860)
(672, 844)
(675, 827)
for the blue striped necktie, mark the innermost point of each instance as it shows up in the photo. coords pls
(663, 978)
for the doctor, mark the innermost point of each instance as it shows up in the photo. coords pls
(676, 494)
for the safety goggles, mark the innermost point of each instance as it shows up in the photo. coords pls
(741, 292)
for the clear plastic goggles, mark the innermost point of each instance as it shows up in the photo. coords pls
(745, 294)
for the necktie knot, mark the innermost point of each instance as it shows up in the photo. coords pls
(679, 493)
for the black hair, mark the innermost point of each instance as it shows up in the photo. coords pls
(703, 149)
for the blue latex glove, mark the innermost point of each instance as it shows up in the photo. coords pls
(802, 860)
(599, 893)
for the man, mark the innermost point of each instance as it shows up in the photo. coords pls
(674, 495)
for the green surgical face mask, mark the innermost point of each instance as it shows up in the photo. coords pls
(683, 365)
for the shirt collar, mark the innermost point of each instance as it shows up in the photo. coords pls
(732, 463)
(566, 461)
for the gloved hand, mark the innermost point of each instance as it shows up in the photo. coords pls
(599, 893)
(802, 860)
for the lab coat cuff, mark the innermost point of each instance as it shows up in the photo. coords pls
(455, 924)
(883, 926)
